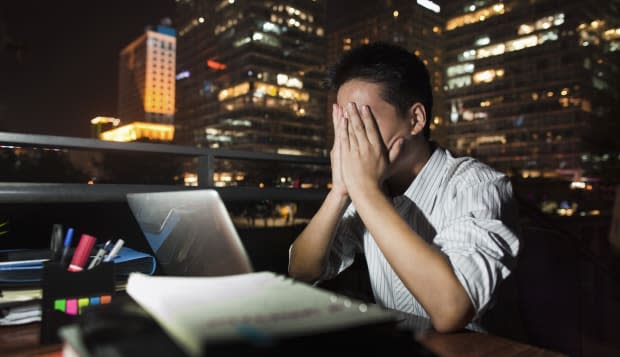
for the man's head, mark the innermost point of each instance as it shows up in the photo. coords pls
(401, 76)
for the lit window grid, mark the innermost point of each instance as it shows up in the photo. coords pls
(477, 16)
(159, 92)
(261, 89)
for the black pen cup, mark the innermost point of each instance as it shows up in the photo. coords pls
(66, 295)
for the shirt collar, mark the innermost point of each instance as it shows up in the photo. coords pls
(424, 187)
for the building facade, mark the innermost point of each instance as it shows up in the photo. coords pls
(526, 80)
(415, 25)
(146, 90)
(249, 75)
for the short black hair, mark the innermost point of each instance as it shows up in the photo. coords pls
(402, 75)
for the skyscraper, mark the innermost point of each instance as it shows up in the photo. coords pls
(415, 25)
(146, 90)
(526, 80)
(249, 75)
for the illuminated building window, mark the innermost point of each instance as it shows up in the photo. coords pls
(467, 55)
(289, 81)
(520, 43)
(460, 69)
(487, 76)
(525, 29)
(242, 41)
(232, 92)
(493, 50)
(612, 34)
(483, 41)
(266, 39)
(547, 36)
(459, 82)
(476, 16)
(271, 27)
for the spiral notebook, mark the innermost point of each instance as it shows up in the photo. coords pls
(254, 307)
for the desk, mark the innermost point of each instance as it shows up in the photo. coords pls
(23, 341)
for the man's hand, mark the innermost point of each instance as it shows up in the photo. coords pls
(338, 186)
(364, 156)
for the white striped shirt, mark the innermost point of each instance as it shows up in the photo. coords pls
(460, 206)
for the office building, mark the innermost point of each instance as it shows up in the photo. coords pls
(146, 90)
(249, 75)
(415, 25)
(525, 81)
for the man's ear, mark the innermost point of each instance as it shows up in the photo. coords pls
(417, 118)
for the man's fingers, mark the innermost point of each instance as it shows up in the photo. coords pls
(370, 125)
(356, 125)
(345, 143)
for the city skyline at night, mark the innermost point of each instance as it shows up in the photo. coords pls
(515, 86)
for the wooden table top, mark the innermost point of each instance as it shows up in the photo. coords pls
(24, 341)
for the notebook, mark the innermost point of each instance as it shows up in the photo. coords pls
(190, 233)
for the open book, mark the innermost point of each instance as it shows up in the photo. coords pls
(196, 310)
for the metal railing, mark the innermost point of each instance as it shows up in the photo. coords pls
(71, 192)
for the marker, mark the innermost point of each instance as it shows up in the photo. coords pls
(82, 252)
(66, 245)
(114, 252)
(56, 242)
(100, 254)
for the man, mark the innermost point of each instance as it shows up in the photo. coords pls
(437, 231)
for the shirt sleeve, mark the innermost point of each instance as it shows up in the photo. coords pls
(346, 243)
(480, 238)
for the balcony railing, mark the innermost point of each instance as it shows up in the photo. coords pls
(71, 192)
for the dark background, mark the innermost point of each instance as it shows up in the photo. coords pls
(59, 60)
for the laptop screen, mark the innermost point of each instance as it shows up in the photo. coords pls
(190, 232)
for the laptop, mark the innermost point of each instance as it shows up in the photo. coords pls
(190, 233)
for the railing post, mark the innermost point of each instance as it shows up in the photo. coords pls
(205, 170)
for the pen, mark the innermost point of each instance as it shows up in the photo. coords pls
(82, 252)
(67, 245)
(100, 254)
(114, 252)
(56, 242)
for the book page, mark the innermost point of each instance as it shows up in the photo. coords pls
(195, 310)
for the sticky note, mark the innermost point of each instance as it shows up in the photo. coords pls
(106, 299)
(72, 307)
(60, 305)
(94, 300)
(82, 302)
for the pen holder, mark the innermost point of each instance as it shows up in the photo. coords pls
(67, 294)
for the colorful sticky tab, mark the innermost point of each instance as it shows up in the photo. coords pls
(60, 305)
(82, 302)
(72, 307)
(106, 299)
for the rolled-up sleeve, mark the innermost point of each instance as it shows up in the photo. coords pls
(480, 238)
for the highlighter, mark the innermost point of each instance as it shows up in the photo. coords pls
(82, 253)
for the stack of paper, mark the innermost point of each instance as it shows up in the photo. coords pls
(197, 310)
(19, 306)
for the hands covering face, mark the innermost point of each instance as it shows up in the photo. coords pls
(359, 157)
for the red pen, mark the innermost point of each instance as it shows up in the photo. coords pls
(82, 253)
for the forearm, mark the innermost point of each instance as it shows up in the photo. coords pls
(424, 270)
(310, 250)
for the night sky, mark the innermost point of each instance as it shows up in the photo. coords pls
(59, 60)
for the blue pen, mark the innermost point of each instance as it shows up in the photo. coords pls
(66, 245)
